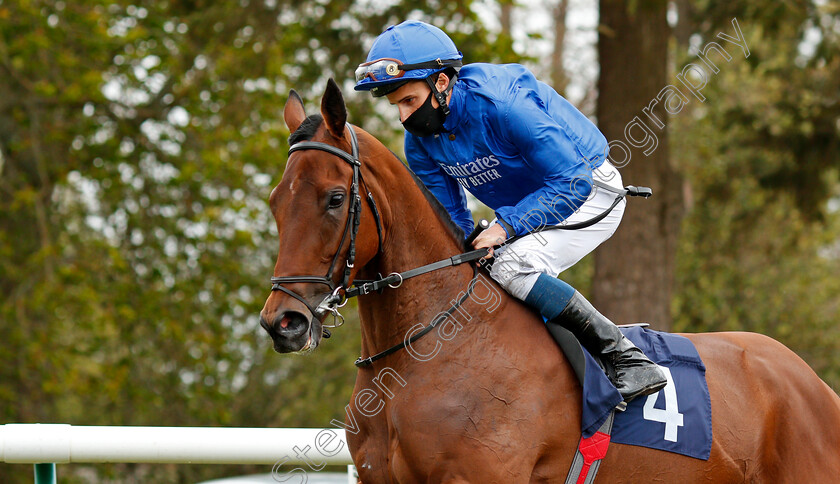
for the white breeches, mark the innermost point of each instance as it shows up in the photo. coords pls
(519, 264)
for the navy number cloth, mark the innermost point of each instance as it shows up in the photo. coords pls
(678, 418)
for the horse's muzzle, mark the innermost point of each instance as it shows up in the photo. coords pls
(289, 330)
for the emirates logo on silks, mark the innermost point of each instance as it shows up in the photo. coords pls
(475, 173)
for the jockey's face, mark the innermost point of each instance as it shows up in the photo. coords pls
(413, 94)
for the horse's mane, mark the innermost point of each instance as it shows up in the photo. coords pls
(307, 130)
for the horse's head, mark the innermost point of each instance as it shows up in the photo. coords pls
(324, 236)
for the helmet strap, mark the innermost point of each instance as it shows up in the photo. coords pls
(440, 97)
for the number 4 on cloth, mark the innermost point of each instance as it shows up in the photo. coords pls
(671, 416)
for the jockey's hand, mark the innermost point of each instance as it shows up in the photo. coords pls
(492, 235)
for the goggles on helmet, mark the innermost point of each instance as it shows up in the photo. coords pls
(386, 68)
(380, 70)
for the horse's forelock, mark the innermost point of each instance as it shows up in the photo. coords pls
(307, 129)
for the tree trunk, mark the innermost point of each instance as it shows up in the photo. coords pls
(558, 74)
(685, 23)
(506, 17)
(634, 270)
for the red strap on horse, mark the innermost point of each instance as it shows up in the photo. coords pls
(589, 453)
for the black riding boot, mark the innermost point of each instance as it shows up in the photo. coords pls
(636, 375)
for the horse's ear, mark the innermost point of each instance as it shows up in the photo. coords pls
(333, 109)
(293, 113)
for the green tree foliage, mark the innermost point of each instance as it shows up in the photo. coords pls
(793, 75)
(758, 251)
(138, 144)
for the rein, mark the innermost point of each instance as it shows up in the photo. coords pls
(423, 332)
(395, 280)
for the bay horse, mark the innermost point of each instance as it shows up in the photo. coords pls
(488, 397)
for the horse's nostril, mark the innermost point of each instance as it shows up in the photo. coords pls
(290, 323)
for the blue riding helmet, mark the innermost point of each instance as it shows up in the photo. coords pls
(412, 50)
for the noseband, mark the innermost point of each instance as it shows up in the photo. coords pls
(334, 300)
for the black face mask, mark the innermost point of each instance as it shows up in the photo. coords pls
(426, 121)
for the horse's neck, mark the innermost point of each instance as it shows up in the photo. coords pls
(489, 318)
(415, 236)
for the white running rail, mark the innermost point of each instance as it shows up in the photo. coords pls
(63, 444)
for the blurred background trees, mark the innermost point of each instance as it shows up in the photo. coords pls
(139, 142)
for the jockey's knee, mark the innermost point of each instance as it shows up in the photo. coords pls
(514, 278)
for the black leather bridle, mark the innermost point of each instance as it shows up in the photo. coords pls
(337, 299)
(332, 301)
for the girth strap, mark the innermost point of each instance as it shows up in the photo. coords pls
(589, 454)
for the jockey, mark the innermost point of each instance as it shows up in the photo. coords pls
(527, 153)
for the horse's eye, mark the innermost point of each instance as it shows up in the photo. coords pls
(336, 200)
